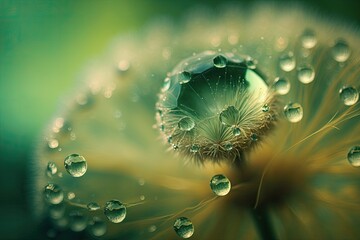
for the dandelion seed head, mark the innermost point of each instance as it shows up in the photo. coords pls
(300, 171)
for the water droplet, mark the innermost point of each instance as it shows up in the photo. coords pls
(75, 165)
(53, 193)
(308, 39)
(354, 156)
(77, 221)
(142, 197)
(186, 124)
(228, 146)
(97, 227)
(183, 227)
(281, 86)
(115, 211)
(53, 143)
(251, 63)
(254, 137)
(51, 169)
(123, 65)
(57, 211)
(236, 131)
(306, 74)
(71, 195)
(287, 62)
(220, 185)
(341, 51)
(265, 108)
(184, 77)
(194, 148)
(229, 116)
(141, 182)
(166, 84)
(220, 61)
(349, 95)
(152, 228)
(293, 112)
(93, 206)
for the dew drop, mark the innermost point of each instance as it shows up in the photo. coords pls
(53, 193)
(78, 221)
(308, 39)
(293, 112)
(97, 227)
(287, 62)
(53, 143)
(57, 211)
(186, 124)
(349, 95)
(354, 156)
(220, 185)
(220, 61)
(115, 211)
(75, 165)
(183, 227)
(236, 131)
(166, 84)
(152, 228)
(194, 148)
(229, 116)
(71, 195)
(281, 86)
(228, 146)
(306, 74)
(265, 108)
(184, 77)
(341, 51)
(254, 137)
(51, 169)
(93, 206)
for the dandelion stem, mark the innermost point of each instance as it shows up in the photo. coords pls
(263, 223)
(260, 214)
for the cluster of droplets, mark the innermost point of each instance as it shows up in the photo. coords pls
(207, 105)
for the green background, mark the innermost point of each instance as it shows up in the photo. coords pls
(43, 47)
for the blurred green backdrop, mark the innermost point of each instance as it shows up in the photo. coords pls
(43, 46)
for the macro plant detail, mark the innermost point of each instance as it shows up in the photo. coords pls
(255, 134)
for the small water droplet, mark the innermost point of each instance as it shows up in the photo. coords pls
(93, 206)
(341, 51)
(220, 61)
(51, 169)
(152, 228)
(184, 77)
(123, 65)
(220, 185)
(141, 182)
(229, 116)
(236, 131)
(349, 95)
(281, 86)
(97, 227)
(194, 148)
(115, 211)
(287, 62)
(186, 124)
(53, 143)
(53, 193)
(308, 39)
(77, 221)
(228, 146)
(306, 74)
(293, 112)
(71, 195)
(57, 211)
(251, 63)
(183, 227)
(75, 165)
(265, 108)
(354, 156)
(254, 137)
(166, 84)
